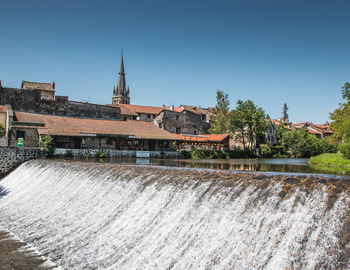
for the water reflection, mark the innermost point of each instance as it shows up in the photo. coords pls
(265, 165)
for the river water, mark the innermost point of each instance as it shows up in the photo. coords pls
(285, 165)
(90, 215)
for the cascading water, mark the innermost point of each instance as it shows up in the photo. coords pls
(107, 216)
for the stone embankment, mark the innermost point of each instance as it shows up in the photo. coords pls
(10, 157)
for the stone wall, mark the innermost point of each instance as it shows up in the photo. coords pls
(10, 157)
(186, 121)
(114, 153)
(31, 101)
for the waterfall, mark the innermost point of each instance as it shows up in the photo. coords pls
(109, 216)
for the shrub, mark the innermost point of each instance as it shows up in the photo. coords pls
(100, 154)
(345, 149)
(48, 145)
(69, 153)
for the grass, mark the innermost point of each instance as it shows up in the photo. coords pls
(333, 160)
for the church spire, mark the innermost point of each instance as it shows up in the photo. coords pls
(121, 95)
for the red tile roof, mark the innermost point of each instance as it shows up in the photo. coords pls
(142, 109)
(125, 110)
(204, 137)
(193, 109)
(69, 126)
(3, 109)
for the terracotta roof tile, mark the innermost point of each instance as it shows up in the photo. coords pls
(3, 109)
(69, 126)
(204, 137)
(142, 109)
(193, 109)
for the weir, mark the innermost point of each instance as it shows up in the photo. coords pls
(108, 216)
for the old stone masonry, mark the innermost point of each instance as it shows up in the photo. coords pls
(10, 157)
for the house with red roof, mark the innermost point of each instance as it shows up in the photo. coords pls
(88, 133)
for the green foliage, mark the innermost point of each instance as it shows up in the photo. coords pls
(208, 154)
(48, 145)
(280, 129)
(241, 153)
(301, 144)
(345, 149)
(267, 151)
(346, 91)
(248, 122)
(186, 154)
(330, 160)
(69, 154)
(2, 130)
(285, 112)
(341, 123)
(100, 154)
(219, 119)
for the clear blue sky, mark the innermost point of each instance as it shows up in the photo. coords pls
(180, 52)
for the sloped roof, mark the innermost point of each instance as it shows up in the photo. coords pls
(36, 85)
(69, 126)
(203, 137)
(125, 110)
(193, 109)
(3, 109)
(174, 109)
(142, 109)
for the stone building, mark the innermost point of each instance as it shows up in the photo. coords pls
(181, 121)
(47, 90)
(121, 93)
(6, 117)
(39, 98)
(87, 133)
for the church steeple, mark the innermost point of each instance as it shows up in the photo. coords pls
(121, 92)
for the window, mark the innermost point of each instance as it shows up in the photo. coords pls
(125, 118)
(203, 117)
(149, 116)
(177, 117)
(20, 134)
(178, 130)
(195, 132)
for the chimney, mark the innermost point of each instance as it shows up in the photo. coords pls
(172, 107)
(53, 85)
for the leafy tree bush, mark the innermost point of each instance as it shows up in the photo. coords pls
(208, 154)
(100, 154)
(345, 149)
(301, 144)
(2, 130)
(69, 153)
(48, 145)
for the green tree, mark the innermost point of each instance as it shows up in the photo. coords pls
(346, 91)
(48, 145)
(341, 122)
(220, 117)
(2, 130)
(300, 143)
(247, 123)
(285, 112)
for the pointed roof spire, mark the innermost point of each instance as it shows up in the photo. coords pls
(121, 71)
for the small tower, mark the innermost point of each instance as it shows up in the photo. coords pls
(120, 91)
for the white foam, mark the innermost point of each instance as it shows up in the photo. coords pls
(97, 218)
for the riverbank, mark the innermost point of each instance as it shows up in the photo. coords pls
(331, 160)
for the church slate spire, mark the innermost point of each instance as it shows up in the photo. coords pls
(120, 91)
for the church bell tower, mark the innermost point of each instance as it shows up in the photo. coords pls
(120, 91)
